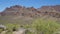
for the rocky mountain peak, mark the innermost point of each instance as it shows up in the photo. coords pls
(31, 11)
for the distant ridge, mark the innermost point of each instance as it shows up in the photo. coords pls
(18, 10)
(25, 15)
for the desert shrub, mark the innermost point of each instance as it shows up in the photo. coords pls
(45, 26)
(9, 32)
(28, 32)
(26, 26)
(1, 30)
(11, 27)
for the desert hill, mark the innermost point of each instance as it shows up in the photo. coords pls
(17, 13)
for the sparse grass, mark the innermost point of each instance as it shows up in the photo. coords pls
(40, 26)
(10, 27)
(1, 30)
(45, 26)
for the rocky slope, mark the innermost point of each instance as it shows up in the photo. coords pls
(26, 14)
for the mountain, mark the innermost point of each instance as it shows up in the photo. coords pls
(53, 11)
(19, 14)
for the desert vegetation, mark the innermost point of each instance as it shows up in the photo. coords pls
(38, 26)
(29, 20)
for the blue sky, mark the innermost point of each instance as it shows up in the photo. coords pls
(27, 3)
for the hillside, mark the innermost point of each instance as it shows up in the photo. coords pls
(24, 15)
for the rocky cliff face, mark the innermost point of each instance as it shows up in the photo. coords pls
(25, 14)
(31, 11)
(53, 11)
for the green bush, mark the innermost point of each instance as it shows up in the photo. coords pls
(26, 26)
(40, 26)
(10, 27)
(45, 26)
(28, 32)
(1, 30)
